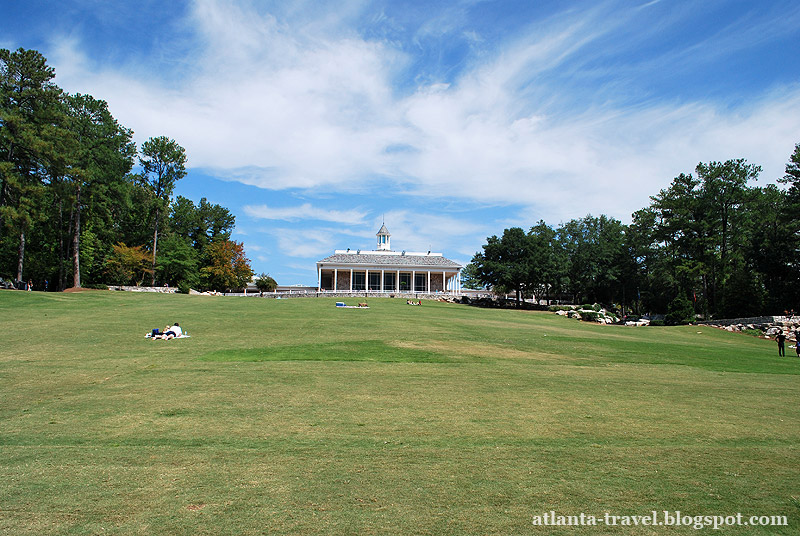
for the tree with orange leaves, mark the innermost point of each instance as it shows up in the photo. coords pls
(227, 267)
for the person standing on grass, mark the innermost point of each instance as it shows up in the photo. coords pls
(781, 338)
(797, 342)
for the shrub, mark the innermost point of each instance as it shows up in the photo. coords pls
(265, 283)
(590, 316)
(96, 286)
(656, 322)
(184, 287)
(680, 311)
(753, 332)
(128, 265)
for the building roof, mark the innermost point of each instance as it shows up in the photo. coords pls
(389, 259)
(383, 231)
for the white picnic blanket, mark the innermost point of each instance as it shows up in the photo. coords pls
(182, 336)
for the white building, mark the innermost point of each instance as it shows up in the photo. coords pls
(384, 270)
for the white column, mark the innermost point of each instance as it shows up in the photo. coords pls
(397, 282)
(413, 280)
(319, 279)
(444, 282)
(382, 272)
(351, 280)
(335, 279)
(429, 281)
(366, 279)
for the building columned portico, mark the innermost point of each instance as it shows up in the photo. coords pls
(384, 270)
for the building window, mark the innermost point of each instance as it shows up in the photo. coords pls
(405, 281)
(359, 281)
(421, 282)
(389, 281)
(374, 281)
(327, 281)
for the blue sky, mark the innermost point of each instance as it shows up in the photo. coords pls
(314, 121)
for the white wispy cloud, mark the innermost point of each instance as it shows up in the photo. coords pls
(305, 243)
(300, 100)
(415, 230)
(305, 212)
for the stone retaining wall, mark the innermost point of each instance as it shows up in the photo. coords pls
(127, 288)
(769, 325)
(756, 320)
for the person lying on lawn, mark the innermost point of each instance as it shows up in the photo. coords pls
(170, 332)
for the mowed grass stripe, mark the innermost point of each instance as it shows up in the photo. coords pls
(342, 351)
(293, 417)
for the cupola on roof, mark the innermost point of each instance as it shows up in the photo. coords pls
(383, 239)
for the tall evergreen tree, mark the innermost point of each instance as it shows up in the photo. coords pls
(163, 163)
(29, 108)
(792, 176)
(681, 235)
(104, 154)
(723, 193)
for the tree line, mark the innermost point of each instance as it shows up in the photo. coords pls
(711, 244)
(72, 211)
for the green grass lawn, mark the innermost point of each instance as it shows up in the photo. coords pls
(295, 417)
